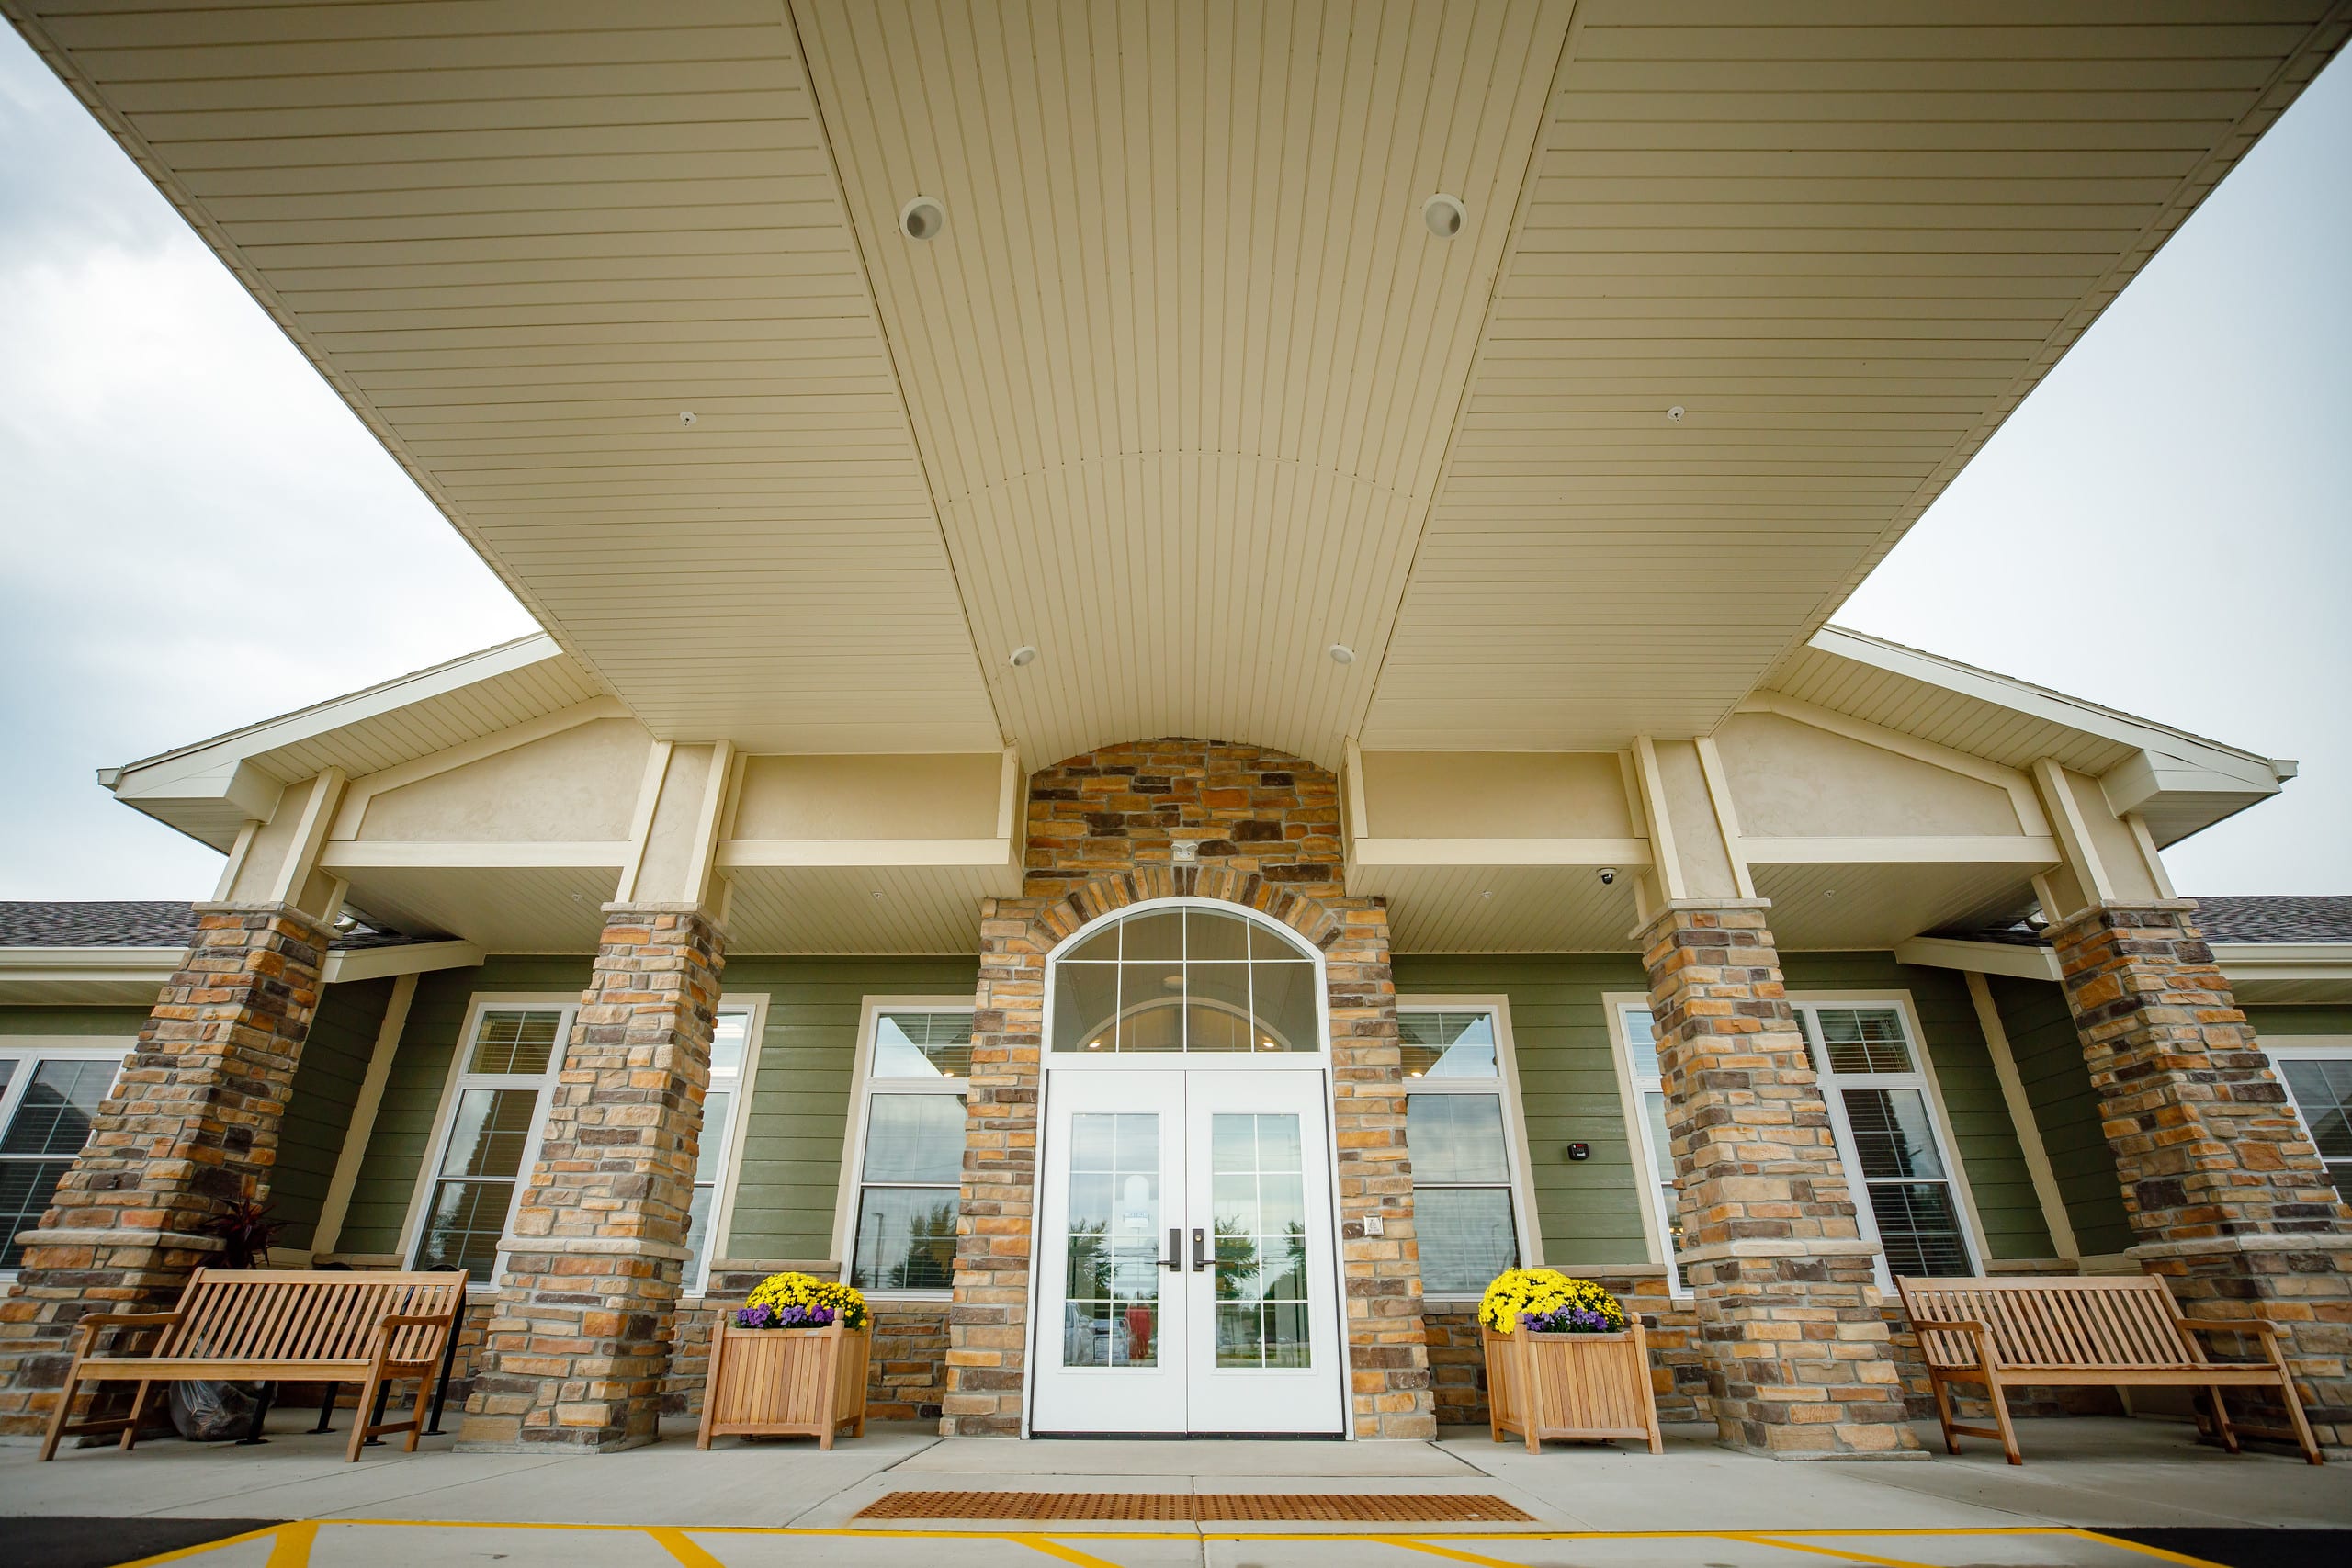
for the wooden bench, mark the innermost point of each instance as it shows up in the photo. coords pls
(276, 1326)
(2122, 1331)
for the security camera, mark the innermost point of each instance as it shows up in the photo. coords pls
(1607, 876)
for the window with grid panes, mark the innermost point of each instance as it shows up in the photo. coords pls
(48, 1099)
(511, 1058)
(730, 1042)
(1192, 980)
(1637, 1028)
(1895, 1155)
(910, 1163)
(2319, 1080)
(1458, 1132)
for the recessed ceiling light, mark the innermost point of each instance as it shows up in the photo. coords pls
(923, 218)
(1341, 654)
(1022, 658)
(686, 416)
(1675, 414)
(1444, 215)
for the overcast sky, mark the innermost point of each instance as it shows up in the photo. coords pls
(195, 534)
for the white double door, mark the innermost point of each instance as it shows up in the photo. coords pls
(1187, 1277)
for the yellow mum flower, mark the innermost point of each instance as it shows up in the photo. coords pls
(792, 1299)
(1549, 1303)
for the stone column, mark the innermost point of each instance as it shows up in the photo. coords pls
(190, 1131)
(1799, 1365)
(579, 1342)
(2227, 1195)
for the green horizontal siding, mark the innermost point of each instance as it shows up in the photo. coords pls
(792, 1128)
(2057, 1082)
(87, 1021)
(317, 1110)
(404, 1121)
(1589, 1211)
(2288, 1022)
(1985, 1138)
(798, 1115)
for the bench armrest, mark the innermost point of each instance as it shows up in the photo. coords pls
(387, 1327)
(2266, 1332)
(2227, 1326)
(90, 1323)
(1973, 1327)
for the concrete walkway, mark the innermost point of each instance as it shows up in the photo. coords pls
(433, 1505)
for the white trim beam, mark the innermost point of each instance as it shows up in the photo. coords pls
(1980, 957)
(404, 959)
(386, 854)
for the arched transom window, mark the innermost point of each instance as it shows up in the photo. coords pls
(1185, 977)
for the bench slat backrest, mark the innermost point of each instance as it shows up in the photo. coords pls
(277, 1314)
(2120, 1321)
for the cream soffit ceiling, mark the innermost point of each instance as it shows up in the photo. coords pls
(1184, 392)
(1846, 251)
(1184, 361)
(521, 239)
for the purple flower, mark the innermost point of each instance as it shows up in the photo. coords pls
(1567, 1320)
(755, 1318)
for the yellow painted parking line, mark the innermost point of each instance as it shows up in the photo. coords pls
(2145, 1551)
(674, 1540)
(293, 1548)
(291, 1544)
(265, 1533)
(1436, 1551)
(1761, 1538)
(1067, 1554)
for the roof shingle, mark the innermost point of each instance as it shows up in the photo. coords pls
(2296, 917)
(136, 923)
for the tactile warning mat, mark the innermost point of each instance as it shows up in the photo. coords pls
(1169, 1507)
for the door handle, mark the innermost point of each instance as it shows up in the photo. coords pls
(1200, 1253)
(1174, 1262)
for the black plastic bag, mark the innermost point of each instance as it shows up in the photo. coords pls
(214, 1412)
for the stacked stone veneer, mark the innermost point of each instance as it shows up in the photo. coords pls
(2226, 1192)
(1799, 1364)
(189, 1130)
(576, 1353)
(1100, 835)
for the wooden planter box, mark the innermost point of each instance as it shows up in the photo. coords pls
(784, 1382)
(1570, 1386)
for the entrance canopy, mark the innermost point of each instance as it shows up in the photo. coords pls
(1491, 375)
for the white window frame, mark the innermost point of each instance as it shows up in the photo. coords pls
(28, 1051)
(2303, 1047)
(731, 1141)
(1808, 1006)
(1051, 1060)
(1656, 1165)
(864, 1086)
(1505, 1086)
(420, 1201)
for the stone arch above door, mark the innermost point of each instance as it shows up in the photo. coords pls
(1101, 830)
